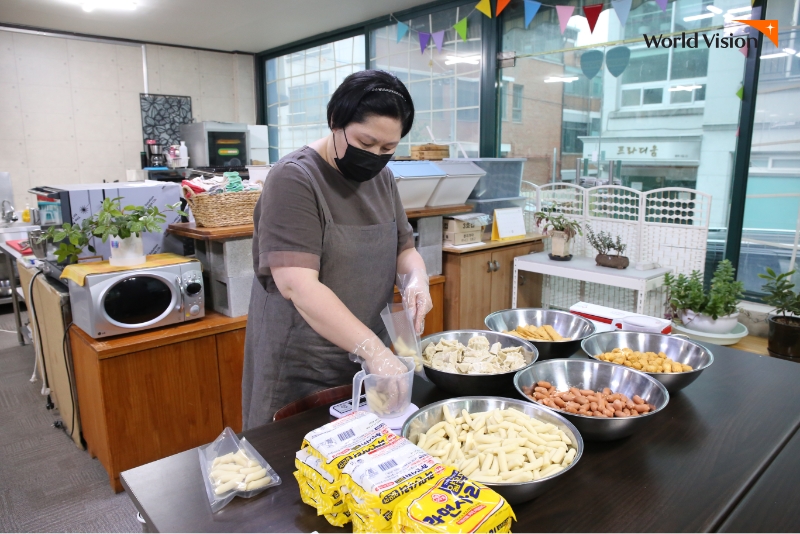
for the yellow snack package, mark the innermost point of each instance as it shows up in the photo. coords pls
(376, 481)
(327, 450)
(453, 503)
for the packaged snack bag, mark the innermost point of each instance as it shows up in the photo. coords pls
(376, 481)
(453, 503)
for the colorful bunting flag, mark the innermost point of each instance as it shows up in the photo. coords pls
(744, 50)
(622, 8)
(438, 39)
(485, 7)
(592, 12)
(424, 39)
(531, 8)
(617, 60)
(662, 4)
(564, 13)
(461, 28)
(740, 92)
(501, 5)
(402, 30)
(591, 61)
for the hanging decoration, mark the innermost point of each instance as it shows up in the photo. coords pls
(662, 4)
(745, 49)
(461, 28)
(564, 13)
(438, 39)
(402, 30)
(592, 12)
(424, 39)
(591, 62)
(622, 8)
(485, 7)
(617, 60)
(740, 92)
(501, 5)
(531, 8)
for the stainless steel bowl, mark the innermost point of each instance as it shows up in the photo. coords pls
(460, 384)
(595, 375)
(679, 349)
(428, 416)
(565, 323)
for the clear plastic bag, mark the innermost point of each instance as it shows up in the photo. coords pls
(232, 452)
(400, 327)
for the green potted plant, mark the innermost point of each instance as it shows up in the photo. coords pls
(714, 311)
(604, 243)
(123, 226)
(560, 229)
(784, 330)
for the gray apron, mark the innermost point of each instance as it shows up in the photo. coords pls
(284, 358)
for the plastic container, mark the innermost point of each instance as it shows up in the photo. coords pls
(503, 177)
(488, 206)
(387, 396)
(459, 181)
(416, 181)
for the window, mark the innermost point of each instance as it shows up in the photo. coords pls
(299, 86)
(445, 85)
(516, 103)
(653, 121)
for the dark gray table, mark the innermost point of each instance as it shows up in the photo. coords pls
(690, 469)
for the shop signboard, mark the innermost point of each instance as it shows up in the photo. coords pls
(643, 151)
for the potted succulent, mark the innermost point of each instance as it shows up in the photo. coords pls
(560, 229)
(784, 330)
(123, 226)
(714, 311)
(604, 243)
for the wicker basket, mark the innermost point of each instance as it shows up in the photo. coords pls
(222, 209)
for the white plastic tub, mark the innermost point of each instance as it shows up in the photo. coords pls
(459, 181)
(416, 181)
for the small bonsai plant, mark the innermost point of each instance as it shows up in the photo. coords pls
(714, 311)
(110, 221)
(559, 227)
(604, 244)
(784, 328)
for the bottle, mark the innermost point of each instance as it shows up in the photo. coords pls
(184, 154)
(26, 214)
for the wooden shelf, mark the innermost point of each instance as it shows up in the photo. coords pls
(416, 213)
(192, 231)
(754, 344)
(212, 323)
(486, 245)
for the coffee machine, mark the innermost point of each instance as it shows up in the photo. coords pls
(157, 158)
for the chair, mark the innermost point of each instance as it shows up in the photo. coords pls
(320, 398)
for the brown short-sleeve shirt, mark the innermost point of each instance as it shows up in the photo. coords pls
(289, 221)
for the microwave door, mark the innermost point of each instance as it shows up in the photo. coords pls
(140, 300)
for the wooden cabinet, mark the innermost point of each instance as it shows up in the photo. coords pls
(149, 395)
(479, 282)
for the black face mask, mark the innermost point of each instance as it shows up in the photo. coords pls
(358, 164)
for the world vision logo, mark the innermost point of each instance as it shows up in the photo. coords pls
(768, 27)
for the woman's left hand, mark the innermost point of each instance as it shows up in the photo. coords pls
(417, 297)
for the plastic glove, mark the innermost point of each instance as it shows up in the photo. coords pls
(378, 359)
(417, 297)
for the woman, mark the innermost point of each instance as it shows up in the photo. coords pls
(330, 238)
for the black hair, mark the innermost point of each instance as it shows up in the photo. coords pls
(370, 92)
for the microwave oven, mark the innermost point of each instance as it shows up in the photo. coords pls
(108, 304)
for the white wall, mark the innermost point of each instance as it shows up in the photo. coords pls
(69, 109)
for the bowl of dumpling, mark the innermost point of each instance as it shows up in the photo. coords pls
(475, 362)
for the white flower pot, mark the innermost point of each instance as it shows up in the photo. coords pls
(704, 323)
(560, 245)
(127, 252)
